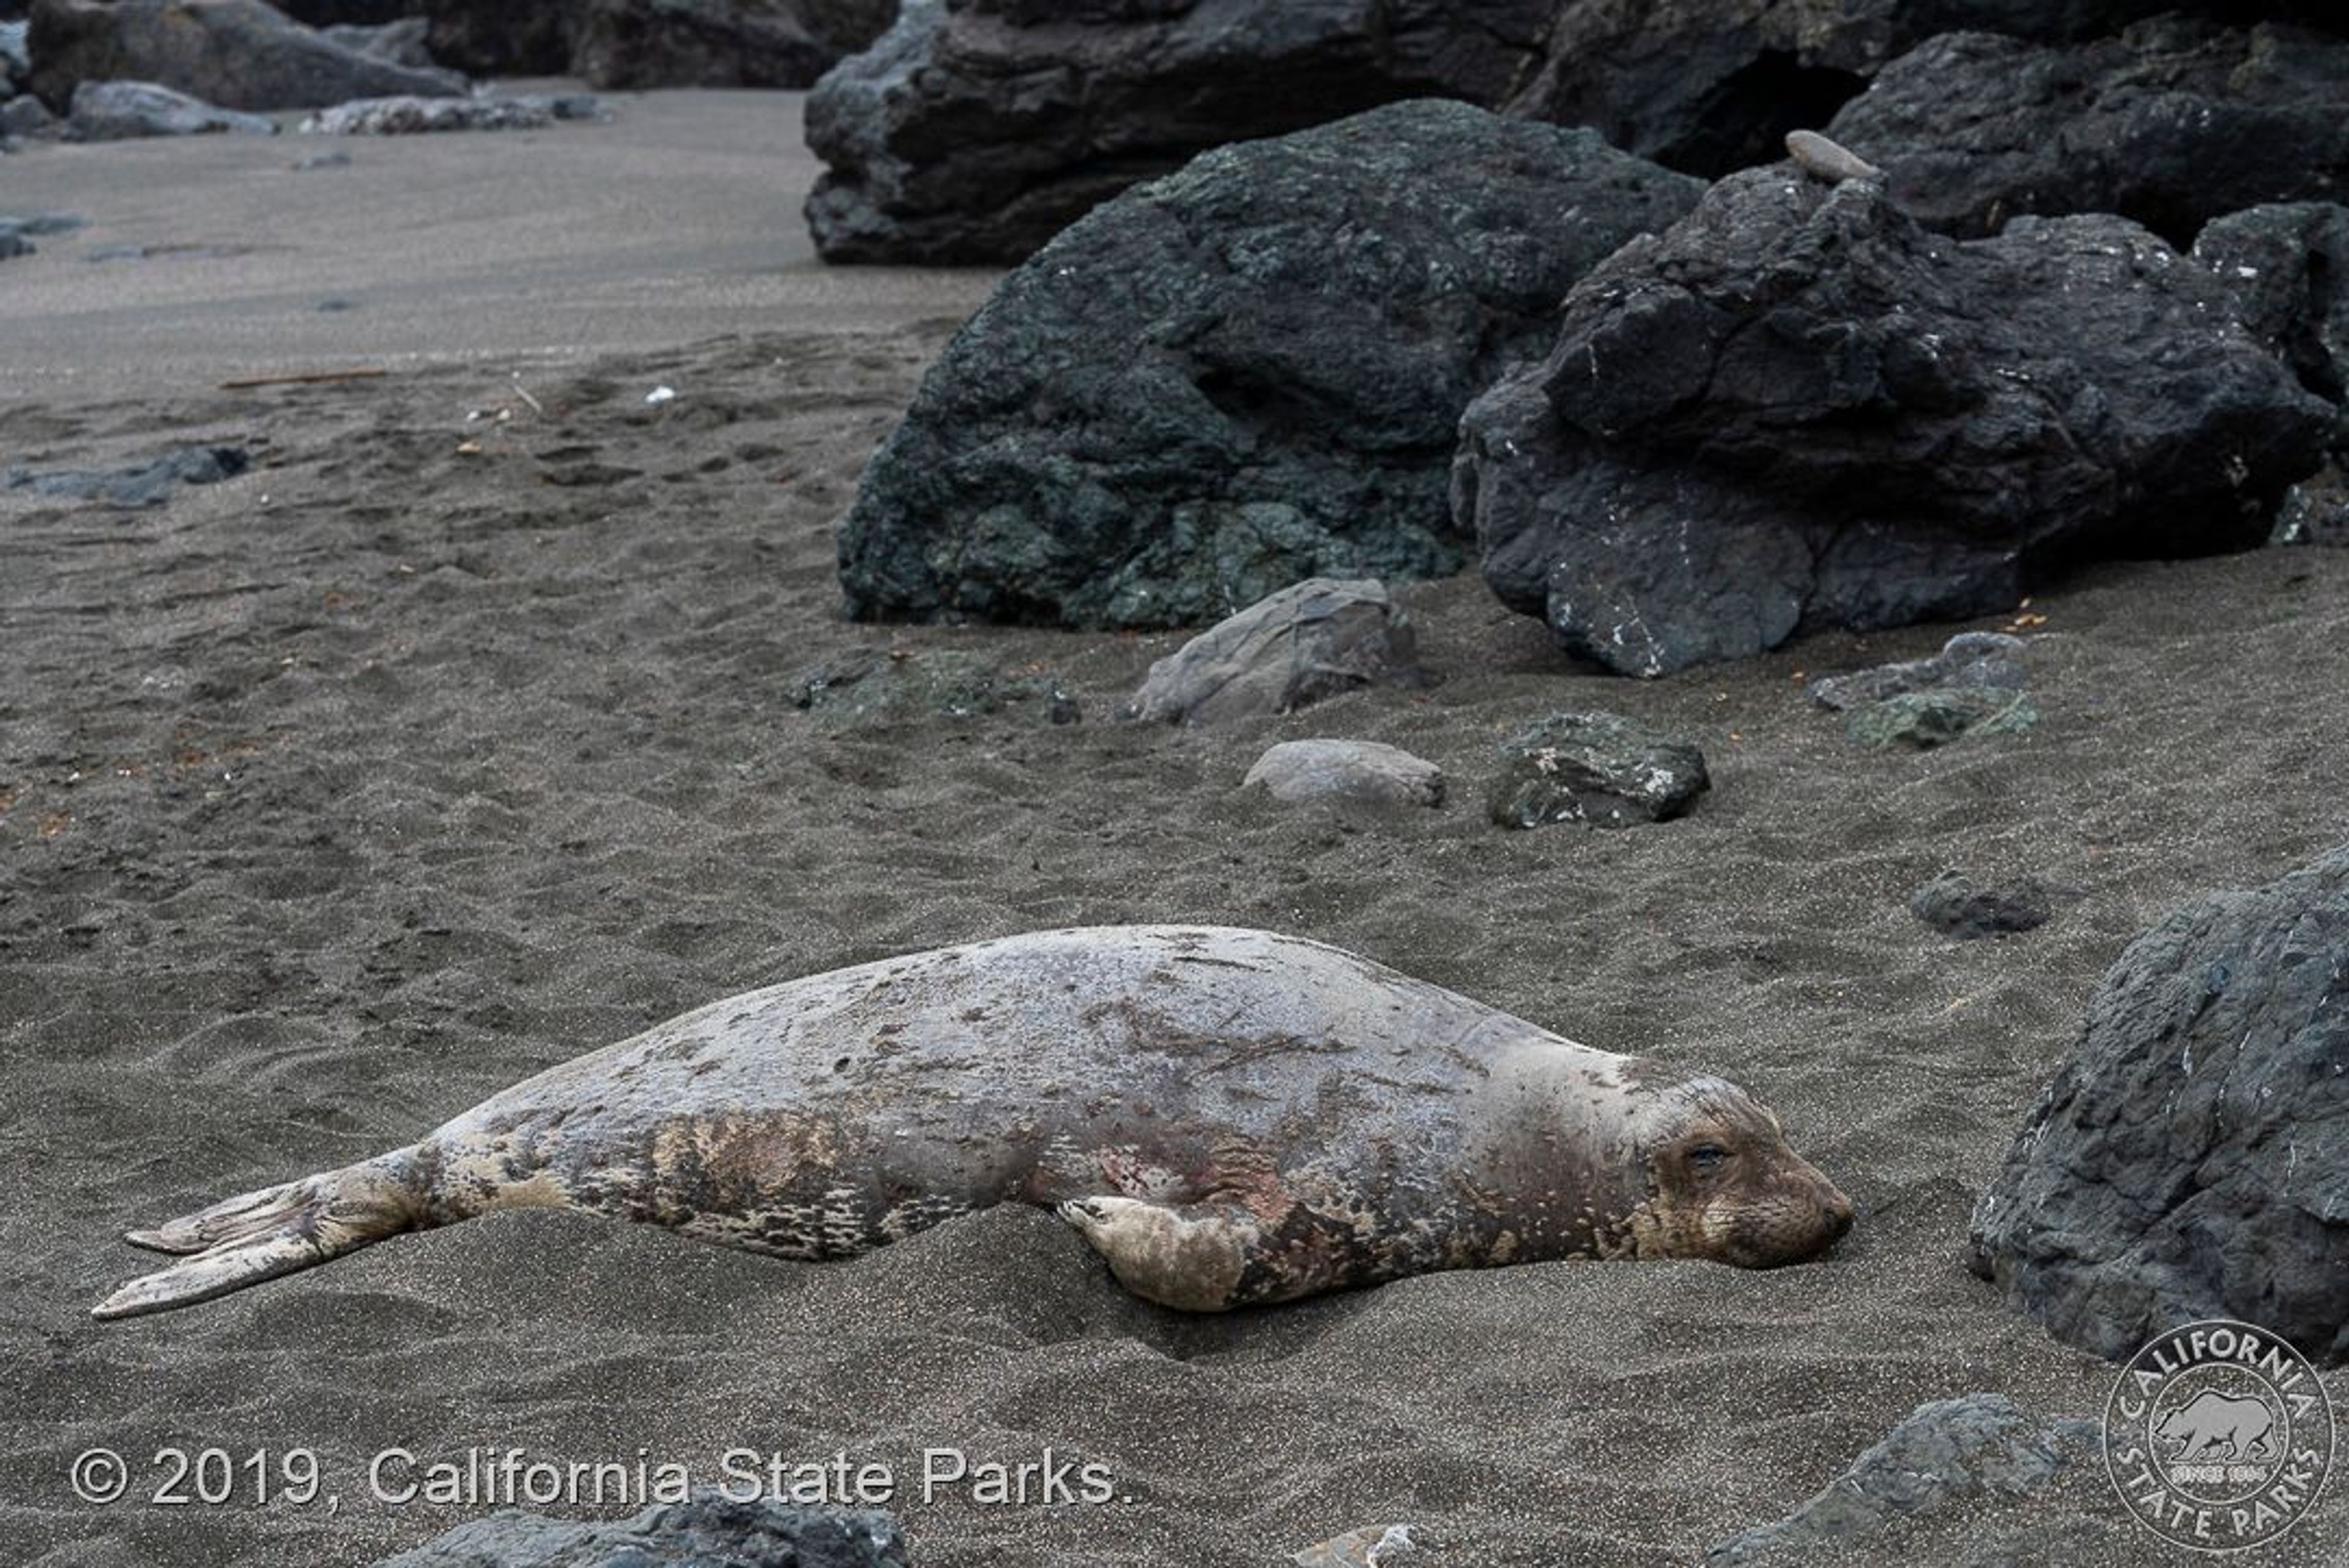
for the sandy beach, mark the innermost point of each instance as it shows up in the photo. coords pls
(455, 737)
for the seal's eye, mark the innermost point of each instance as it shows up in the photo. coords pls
(1707, 1158)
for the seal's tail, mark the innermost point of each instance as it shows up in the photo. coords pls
(274, 1231)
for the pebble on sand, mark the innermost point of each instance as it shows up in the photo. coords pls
(1299, 770)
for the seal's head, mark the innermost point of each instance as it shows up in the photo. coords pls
(1723, 1184)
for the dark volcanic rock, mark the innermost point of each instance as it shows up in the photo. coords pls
(1247, 374)
(2191, 1160)
(1308, 641)
(1595, 767)
(2287, 266)
(1983, 661)
(2172, 123)
(976, 130)
(1702, 86)
(1939, 714)
(1957, 905)
(1710, 86)
(402, 42)
(502, 37)
(346, 13)
(718, 43)
(238, 54)
(149, 484)
(1944, 1454)
(1798, 407)
(636, 44)
(711, 1528)
(2316, 510)
(120, 112)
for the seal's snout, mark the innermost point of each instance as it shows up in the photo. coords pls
(1839, 1213)
(1803, 1220)
(1811, 1215)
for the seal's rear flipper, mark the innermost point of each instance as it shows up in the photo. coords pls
(274, 1231)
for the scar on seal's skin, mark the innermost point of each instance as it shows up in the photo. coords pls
(1229, 1118)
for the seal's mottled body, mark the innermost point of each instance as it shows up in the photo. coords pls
(1230, 1117)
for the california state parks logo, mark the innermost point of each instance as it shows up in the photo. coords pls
(2219, 1436)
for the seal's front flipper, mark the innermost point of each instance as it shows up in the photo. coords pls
(274, 1231)
(1201, 1257)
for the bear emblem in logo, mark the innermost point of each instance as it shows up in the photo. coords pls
(2219, 1436)
(2214, 1425)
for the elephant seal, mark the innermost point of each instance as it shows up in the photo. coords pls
(1229, 1117)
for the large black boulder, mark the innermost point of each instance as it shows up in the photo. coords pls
(2288, 267)
(1798, 407)
(1710, 86)
(2172, 123)
(636, 44)
(1245, 374)
(2190, 1159)
(976, 131)
(345, 13)
(235, 54)
(503, 37)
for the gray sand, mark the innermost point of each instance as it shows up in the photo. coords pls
(678, 220)
(337, 796)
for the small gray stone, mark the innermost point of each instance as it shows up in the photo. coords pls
(1948, 1450)
(1300, 770)
(882, 685)
(1595, 767)
(1924, 719)
(1954, 903)
(1988, 661)
(118, 111)
(1310, 641)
